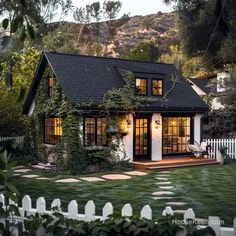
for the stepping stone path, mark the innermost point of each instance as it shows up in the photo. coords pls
(69, 180)
(164, 191)
(161, 178)
(22, 170)
(161, 193)
(92, 179)
(166, 187)
(164, 183)
(161, 198)
(116, 177)
(176, 203)
(137, 173)
(30, 176)
(42, 178)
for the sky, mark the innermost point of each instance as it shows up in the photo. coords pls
(134, 7)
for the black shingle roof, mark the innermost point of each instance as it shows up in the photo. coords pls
(86, 78)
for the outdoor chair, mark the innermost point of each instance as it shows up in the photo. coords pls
(197, 149)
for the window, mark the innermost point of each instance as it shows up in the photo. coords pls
(176, 133)
(141, 86)
(157, 87)
(95, 131)
(50, 87)
(53, 130)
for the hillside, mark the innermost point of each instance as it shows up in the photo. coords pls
(161, 28)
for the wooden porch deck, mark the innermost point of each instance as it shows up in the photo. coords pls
(173, 163)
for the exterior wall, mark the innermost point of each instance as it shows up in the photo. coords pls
(128, 139)
(197, 127)
(156, 138)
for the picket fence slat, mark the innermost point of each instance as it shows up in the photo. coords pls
(215, 144)
(18, 142)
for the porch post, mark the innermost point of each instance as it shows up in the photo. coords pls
(156, 137)
(128, 139)
(197, 127)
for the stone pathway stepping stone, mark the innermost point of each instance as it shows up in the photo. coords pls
(165, 172)
(69, 180)
(116, 177)
(42, 178)
(30, 176)
(92, 179)
(138, 173)
(161, 193)
(163, 179)
(164, 183)
(166, 187)
(176, 203)
(179, 211)
(19, 167)
(22, 170)
(161, 198)
(163, 175)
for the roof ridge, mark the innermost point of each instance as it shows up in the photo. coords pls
(112, 58)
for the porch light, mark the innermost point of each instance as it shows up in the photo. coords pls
(157, 124)
(129, 123)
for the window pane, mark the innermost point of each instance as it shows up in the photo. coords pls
(141, 86)
(101, 131)
(89, 131)
(53, 130)
(50, 87)
(157, 87)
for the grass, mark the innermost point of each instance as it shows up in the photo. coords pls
(209, 190)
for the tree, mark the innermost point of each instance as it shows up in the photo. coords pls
(62, 39)
(206, 27)
(144, 51)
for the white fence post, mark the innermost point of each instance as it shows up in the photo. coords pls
(107, 210)
(41, 205)
(56, 204)
(73, 209)
(168, 211)
(214, 223)
(2, 199)
(27, 203)
(189, 215)
(89, 211)
(127, 210)
(146, 212)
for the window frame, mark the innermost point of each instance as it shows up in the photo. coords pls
(50, 86)
(141, 78)
(47, 139)
(95, 131)
(157, 95)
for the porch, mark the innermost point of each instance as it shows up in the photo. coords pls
(173, 163)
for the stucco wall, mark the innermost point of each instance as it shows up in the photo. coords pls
(197, 127)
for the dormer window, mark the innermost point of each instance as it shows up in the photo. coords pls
(157, 87)
(50, 87)
(141, 86)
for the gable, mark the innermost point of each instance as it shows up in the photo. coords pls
(86, 78)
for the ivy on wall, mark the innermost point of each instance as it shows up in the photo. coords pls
(70, 154)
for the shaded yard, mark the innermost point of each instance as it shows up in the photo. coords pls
(208, 190)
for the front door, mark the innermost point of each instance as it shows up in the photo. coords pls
(141, 139)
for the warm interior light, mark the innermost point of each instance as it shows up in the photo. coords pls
(157, 124)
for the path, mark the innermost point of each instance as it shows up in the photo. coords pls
(166, 192)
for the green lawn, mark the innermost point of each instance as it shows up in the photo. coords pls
(209, 190)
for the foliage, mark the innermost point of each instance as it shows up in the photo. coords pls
(62, 39)
(144, 51)
(215, 20)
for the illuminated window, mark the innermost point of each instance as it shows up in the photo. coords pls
(95, 131)
(53, 130)
(141, 86)
(157, 87)
(50, 87)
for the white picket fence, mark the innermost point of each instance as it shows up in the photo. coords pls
(17, 141)
(90, 214)
(217, 143)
